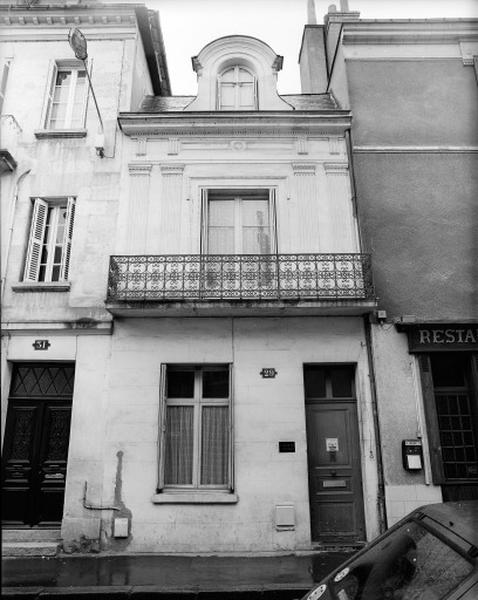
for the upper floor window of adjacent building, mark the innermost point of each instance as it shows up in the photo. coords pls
(49, 244)
(67, 95)
(3, 81)
(237, 89)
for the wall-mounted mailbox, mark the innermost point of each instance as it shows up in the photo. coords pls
(412, 455)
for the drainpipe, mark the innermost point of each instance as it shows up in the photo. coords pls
(381, 507)
(10, 229)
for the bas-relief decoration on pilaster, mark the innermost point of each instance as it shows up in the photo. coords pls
(172, 170)
(302, 145)
(174, 145)
(141, 146)
(334, 145)
(336, 168)
(303, 168)
(139, 169)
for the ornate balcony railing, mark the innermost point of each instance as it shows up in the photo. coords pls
(266, 277)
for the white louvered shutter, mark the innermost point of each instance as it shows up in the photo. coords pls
(68, 234)
(37, 235)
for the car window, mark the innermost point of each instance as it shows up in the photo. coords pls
(409, 564)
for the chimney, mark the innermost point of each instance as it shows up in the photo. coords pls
(313, 69)
(333, 24)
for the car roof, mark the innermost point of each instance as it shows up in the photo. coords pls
(459, 517)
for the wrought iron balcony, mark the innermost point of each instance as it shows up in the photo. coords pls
(233, 277)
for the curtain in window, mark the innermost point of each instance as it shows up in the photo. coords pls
(179, 445)
(215, 445)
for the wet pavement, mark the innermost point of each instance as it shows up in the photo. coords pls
(166, 577)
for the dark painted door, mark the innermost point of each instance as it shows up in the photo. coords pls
(335, 482)
(36, 444)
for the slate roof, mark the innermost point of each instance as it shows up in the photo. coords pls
(158, 104)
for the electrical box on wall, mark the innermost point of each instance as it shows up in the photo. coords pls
(412, 455)
(285, 516)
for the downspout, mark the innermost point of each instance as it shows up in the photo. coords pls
(10, 229)
(381, 507)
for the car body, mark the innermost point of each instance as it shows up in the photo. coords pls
(431, 554)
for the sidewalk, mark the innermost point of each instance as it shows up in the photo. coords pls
(166, 577)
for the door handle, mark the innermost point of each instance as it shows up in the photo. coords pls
(333, 473)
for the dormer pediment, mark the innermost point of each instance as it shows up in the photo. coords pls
(237, 72)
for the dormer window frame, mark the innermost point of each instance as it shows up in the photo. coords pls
(236, 85)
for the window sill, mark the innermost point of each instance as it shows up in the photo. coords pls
(218, 497)
(41, 286)
(60, 133)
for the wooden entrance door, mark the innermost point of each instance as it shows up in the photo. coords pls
(335, 482)
(36, 444)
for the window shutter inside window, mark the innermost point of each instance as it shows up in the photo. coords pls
(37, 235)
(68, 234)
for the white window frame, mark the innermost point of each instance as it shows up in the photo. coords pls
(238, 194)
(198, 402)
(37, 234)
(236, 87)
(56, 67)
(4, 80)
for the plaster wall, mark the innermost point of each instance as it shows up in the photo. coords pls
(161, 212)
(401, 416)
(418, 213)
(116, 409)
(413, 102)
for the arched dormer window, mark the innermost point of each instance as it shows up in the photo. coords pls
(237, 89)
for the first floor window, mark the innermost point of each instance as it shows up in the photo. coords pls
(67, 97)
(196, 442)
(49, 244)
(239, 221)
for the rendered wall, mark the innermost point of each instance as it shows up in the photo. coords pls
(265, 411)
(402, 102)
(419, 217)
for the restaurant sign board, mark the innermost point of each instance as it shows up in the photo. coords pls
(440, 337)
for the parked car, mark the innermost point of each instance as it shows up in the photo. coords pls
(432, 554)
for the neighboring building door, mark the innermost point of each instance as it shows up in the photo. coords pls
(335, 482)
(36, 444)
(450, 392)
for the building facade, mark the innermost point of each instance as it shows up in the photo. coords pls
(186, 348)
(412, 89)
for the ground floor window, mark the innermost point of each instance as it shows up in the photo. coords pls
(196, 427)
(451, 402)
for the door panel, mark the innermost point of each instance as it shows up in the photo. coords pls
(335, 483)
(36, 445)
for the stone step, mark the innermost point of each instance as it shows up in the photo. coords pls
(31, 535)
(10, 549)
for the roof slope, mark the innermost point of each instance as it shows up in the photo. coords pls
(158, 104)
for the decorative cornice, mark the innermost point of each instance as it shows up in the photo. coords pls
(59, 16)
(175, 169)
(416, 31)
(139, 169)
(304, 168)
(300, 123)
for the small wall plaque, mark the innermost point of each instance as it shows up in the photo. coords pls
(268, 373)
(286, 446)
(41, 345)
